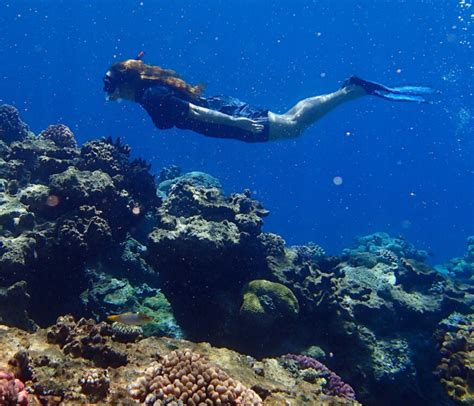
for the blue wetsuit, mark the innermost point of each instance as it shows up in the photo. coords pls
(168, 109)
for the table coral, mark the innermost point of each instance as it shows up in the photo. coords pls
(188, 378)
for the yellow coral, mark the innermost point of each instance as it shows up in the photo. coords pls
(266, 302)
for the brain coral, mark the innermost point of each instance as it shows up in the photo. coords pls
(61, 135)
(186, 378)
(266, 302)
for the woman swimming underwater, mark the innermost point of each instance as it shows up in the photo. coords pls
(171, 102)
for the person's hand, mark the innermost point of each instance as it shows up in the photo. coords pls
(248, 125)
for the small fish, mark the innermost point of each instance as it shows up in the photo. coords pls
(132, 319)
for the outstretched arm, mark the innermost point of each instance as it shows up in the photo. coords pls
(216, 117)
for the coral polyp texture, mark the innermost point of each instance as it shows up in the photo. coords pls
(12, 390)
(334, 384)
(456, 369)
(187, 378)
(61, 135)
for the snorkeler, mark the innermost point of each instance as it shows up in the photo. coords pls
(171, 102)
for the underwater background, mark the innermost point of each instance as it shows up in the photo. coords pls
(406, 169)
(168, 268)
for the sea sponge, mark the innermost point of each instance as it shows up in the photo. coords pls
(187, 378)
(61, 135)
(265, 303)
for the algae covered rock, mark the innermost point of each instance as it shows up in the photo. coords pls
(266, 303)
(11, 126)
(82, 187)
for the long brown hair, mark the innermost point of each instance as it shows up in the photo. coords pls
(140, 76)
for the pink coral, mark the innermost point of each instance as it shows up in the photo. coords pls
(12, 391)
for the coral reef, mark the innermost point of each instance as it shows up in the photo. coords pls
(95, 384)
(170, 176)
(88, 340)
(335, 386)
(266, 303)
(461, 268)
(89, 232)
(11, 126)
(12, 391)
(55, 378)
(455, 371)
(186, 377)
(14, 302)
(61, 135)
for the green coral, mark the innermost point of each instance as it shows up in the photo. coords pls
(265, 303)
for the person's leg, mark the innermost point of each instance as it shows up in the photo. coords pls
(304, 113)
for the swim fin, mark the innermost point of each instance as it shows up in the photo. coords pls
(401, 93)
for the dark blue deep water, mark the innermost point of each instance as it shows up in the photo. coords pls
(407, 169)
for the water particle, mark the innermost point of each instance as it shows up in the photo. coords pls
(52, 201)
(337, 180)
(136, 210)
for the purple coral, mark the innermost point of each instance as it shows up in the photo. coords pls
(12, 391)
(61, 135)
(335, 386)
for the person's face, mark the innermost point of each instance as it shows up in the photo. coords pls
(117, 89)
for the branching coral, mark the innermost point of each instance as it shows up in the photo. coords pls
(335, 385)
(187, 378)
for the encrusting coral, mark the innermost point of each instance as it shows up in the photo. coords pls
(187, 378)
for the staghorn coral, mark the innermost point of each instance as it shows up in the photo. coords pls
(11, 126)
(61, 135)
(456, 369)
(87, 339)
(185, 377)
(12, 391)
(335, 385)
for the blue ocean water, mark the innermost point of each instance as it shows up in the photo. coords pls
(406, 169)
